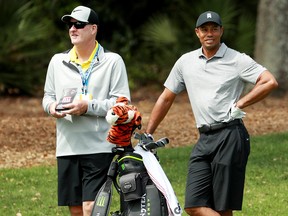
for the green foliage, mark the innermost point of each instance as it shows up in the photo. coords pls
(165, 36)
(25, 46)
(149, 35)
(245, 42)
(33, 191)
(159, 30)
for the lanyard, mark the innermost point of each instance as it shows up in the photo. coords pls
(85, 75)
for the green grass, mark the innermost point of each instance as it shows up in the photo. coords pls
(32, 191)
(266, 189)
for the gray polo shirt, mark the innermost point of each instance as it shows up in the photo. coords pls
(214, 84)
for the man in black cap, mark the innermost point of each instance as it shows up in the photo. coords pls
(214, 77)
(98, 78)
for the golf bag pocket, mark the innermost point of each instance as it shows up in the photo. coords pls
(131, 186)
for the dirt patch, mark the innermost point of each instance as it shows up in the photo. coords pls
(27, 134)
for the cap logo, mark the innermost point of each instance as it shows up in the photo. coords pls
(209, 15)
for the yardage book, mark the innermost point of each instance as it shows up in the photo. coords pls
(67, 97)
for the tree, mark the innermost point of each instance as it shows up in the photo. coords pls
(271, 39)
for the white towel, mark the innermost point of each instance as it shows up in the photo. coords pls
(160, 179)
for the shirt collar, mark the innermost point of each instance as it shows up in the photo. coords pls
(74, 57)
(219, 54)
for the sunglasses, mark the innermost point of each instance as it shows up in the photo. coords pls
(77, 25)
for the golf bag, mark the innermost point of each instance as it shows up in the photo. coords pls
(139, 196)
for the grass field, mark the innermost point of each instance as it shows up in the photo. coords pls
(32, 191)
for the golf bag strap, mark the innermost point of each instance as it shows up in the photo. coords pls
(103, 199)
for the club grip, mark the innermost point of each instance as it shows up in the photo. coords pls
(153, 145)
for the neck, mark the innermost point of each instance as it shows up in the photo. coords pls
(210, 51)
(85, 50)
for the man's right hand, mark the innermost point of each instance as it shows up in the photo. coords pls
(55, 113)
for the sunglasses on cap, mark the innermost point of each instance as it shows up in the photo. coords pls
(77, 25)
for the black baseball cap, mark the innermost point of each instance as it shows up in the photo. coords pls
(208, 16)
(82, 14)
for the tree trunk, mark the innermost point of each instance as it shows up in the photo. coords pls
(271, 48)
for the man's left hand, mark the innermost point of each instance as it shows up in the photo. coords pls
(78, 107)
(236, 113)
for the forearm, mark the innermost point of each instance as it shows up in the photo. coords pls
(47, 100)
(100, 107)
(159, 111)
(156, 118)
(265, 84)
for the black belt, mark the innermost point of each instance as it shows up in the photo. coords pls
(220, 125)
